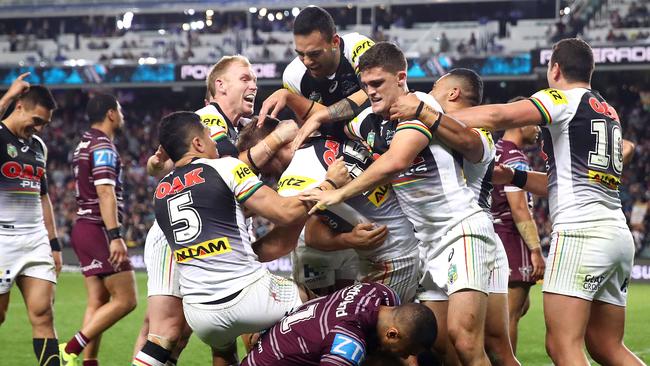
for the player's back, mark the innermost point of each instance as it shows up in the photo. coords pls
(337, 329)
(96, 161)
(583, 143)
(198, 207)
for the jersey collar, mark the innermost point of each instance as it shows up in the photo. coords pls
(225, 118)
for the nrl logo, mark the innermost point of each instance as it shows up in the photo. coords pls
(12, 151)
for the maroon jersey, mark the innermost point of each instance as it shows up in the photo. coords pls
(95, 162)
(335, 330)
(508, 154)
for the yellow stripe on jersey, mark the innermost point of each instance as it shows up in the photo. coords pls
(218, 136)
(291, 89)
(205, 249)
(607, 180)
(244, 195)
(557, 96)
(242, 172)
(414, 126)
(542, 110)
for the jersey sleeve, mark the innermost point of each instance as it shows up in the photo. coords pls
(44, 187)
(553, 106)
(516, 160)
(343, 347)
(356, 45)
(238, 176)
(292, 76)
(359, 126)
(414, 125)
(104, 161)
(489, 150)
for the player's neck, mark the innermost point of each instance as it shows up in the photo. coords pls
(563, 84)
(12, 124)
(514, 137)
(105, 128)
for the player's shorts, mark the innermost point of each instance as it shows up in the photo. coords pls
(462, 259)
(257, 307)
(90, 243)
(162, 274)
(498, 283)
(400, 274)
(25, 255)
(592, 264)
(320, 269)
(518, 257)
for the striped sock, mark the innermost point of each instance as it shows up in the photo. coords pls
(151, 354)
(77, 343)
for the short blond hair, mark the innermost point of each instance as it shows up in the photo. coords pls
(219, 69)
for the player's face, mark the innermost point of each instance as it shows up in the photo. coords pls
(383, 88)
(399, 346)
(317, 54)
(441, 89)
(530, 134)
(33, 119)
(240, 83)
(119, 116)
(210, 145)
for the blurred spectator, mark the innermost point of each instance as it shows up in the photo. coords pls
(444, 43)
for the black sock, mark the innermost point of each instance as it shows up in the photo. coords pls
(47, 351)
(152, 354)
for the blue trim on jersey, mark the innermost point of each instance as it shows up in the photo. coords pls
(347, 348)
(519, 165)
(104, 157)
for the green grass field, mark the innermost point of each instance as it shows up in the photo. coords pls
(117, 343)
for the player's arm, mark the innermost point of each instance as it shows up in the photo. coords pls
(159, 164)
(17, 87)
(260, 154)
(449, 131)
(108, 210)
(500, 116)
(406, 145)
(527, 229)
(628, 151)
(277, 243)
(364, 236)
(530, 181)
(50, 225)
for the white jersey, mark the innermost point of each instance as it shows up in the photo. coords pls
(222, 130)
(432, 192)
(479, 175)
(198, 207)
(584, 148)
(309, 167)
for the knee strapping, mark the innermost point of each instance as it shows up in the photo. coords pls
(163, 342)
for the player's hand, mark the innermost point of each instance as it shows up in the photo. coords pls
(502, 174)
(18, 87)
(286, 130)
(539, 265)
(338, 173)
(58, 261)
(323, 199)
(366, 236)
(311, 125)
(405, 107)
(118, 252)
(273, 105)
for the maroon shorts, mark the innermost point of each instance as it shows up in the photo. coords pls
(90, 243)
(518, 253)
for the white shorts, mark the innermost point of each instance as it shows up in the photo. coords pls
(162, 274)
(498, 283)
(399, 273)
(320, 269)
(462, 259)
(592, 264)
(257, 307)
(25, 255)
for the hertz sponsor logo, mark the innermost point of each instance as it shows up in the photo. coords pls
(205, 249)
(214, 120)
(242, 172)
(360, 48)
(607, 180)
(295, 182)
(379, 195)
(556, 96)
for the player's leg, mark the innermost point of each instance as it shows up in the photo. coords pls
(399, 273)
(346, 268)
(39, 299)
(123, 294)
(566, 320)
(4, 306)
(497, 339)
(98, 295)
(466, 326)
(142, 335)
(517, 300)
(166, 324)
(442, 345)
(604, 336)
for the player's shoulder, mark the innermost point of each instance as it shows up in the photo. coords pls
(40, 144)
(364, 115)
(429, 100)
(355, 45)
(293, 74)
(557, 98)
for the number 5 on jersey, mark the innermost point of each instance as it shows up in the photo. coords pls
(180, 212)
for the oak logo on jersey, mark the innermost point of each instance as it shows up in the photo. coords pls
(607, 180)
(190, 179)
(360, 48)
(14, 170)
(379, 195)
(12, 151)
(205, 249)
(557, 96)
(214, 120)
(295, 182)
(242, 172)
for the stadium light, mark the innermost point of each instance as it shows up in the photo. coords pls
(252, 10)
(271, 17)
(263, 12)
(286, 13)
(161, 31)
(190, 11)
(567, 10)
(127, 20)
(295, 11)
(186, 27)
(279, 15)
(120, 24)
(200, 24)
(209, 13)
(208, 23)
